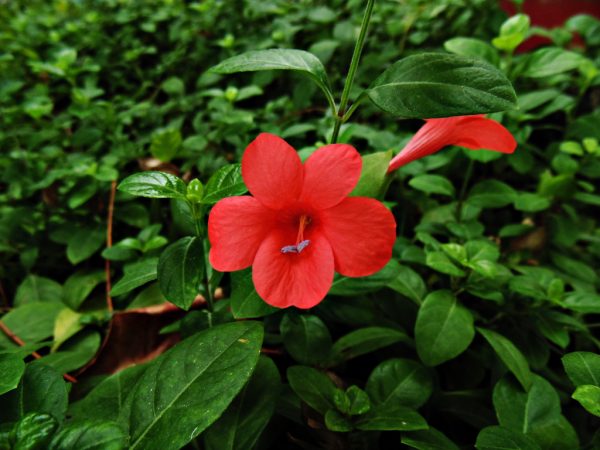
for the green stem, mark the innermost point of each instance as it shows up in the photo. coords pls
(463, 189)
(360, 42)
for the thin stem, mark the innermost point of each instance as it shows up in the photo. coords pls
(463, 189)
(109, 227)
(360, 42)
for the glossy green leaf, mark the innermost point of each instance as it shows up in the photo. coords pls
(391, 418)
(429, 85)
(313, 387)
(11, 368)
(225, 182)
(136, 275)
(306, 338)
(80, 285)
(589, 397)
(32, 322)
(154, 185)
(242, 422)
(510, 355)
(549, 61)
(90, 435)
(350, 286)
(34, 431)
(75, 353)
(365, 340)
(180, 271)
(410, 284)
(400, 381)
(165, 143)
(336, 421)
(444, 328)
(491, 194)
(512, 33)
(174, 400)
(430, 439)
(495, 438)
(245, 301)
(84, 242)
(432, 184)
(582, 367)
(475, 48)
(35, 289)
(373, 179)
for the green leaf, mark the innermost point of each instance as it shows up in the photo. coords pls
(278, 59)
(589, 397)
(165, 143)
(491, 194)
(225, 182)
(400, 381)
(444, 328)
(75, 353)
(433, 184)
(440, 262)
(306, 338)
(523, 411)
(429, 85)
(510, 355)
(242, 422)
(365, 340)
(512, 32)
(582, 302)
(473, 47)
(136, 275)
(32, 322)
(430, 439)
(549, 61)
(351, 286)
(83, 243)
(336, 421)
(181, 270)
(11, 368)
(34, 431)
(313, 387)
(556, 435)
(41, 389)
(582, 368)
(80, 285)
(245, 301)
(108, 398)
(358, 401)
(410, 284)
(373, 179)
(153, 185)
(175, 399)
(530, 202)
(35, 289)
(391, 418)
(90, 435)
(499, 438)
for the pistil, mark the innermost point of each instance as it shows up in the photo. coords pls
(301, 243)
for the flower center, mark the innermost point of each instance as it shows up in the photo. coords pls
(301, 243)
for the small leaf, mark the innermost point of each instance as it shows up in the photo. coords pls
(181, 270)
(90, 435)
(187, 379)
(313, 387)
(336, 421)
(391, 418)
(432, 184)
(491, 194)
(153, 185)
(306, 338)
(410, 284)
(34, 431)
(473, 47)
(549, 61)
(365, 340)
(430, 439)
(32, 322)
(494, 438)
(430, 85)
(444, 328)
(351, 286)
(11, 368)
(80, 285)
(510, 355)
(165, 144)
(373, 175)
(136, 275)
(589, 397)
(582, 368)
(38, 289)
(245, 302)
(225, 182)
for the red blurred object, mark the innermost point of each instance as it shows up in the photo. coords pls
(551, 14)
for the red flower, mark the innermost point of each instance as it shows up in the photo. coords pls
(473, 132)
(299, 225)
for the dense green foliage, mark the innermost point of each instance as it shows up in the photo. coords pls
(480, 331)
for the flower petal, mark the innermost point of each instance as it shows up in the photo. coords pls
(362, 233)
(236, 228)
(330, 174)
(272, 171)
(293, 279)
(474, 132)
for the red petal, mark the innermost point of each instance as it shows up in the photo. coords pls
(293, 279)
(361, 232)
(272, 171)
(236, 228)
(474, 132)
(330, 174)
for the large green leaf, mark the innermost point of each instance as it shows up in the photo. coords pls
(80, 285)
(549, 61)
(90, 435)
(495, 438)
(181, 270)
(373, 179)
(390, 417)
(431, 85)
(582, 367)
(75, 353)
(589, 397)
(430, 439)
(241, 424)
(278, 59)
(136, 275)
(245, 301)
(351, 286)
(41, 389)
(365, 340)
(313, 387)
(11, 368)
(306, 338)
(410, 284)
(400, 381)
(154, 185)
(38, 289)
(510, 355)
(444, 328)
(32, 322)
(491, 194)
(187, 388)
(225, 182)
(33, 431)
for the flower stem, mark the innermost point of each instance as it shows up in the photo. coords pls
(360, 42)
(463, 190)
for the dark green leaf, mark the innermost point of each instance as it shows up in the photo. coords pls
(313, 387)
(245, 302)
(136, 275)
(153, 185)
(444, 328)
(373, 175)
(432, 184)
(11, 368)
(90, 435)
(336, 421)
(75, 353)
(165, 144)
(347, 286)
(582, 368)
(549, 61)
(80, 285)
(306, 338)
(491, 194)
(473, 47)
(34, 431)
(181, 270)
(497, 438)
(365, 340)
(431, 85)
(38, 289)
(410, 284)
(391, 418)
(430, 439)
(175, 399)
(226, 182)
(32, 322)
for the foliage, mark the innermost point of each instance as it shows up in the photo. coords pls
(481, 330)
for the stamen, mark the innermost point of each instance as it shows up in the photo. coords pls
(295, 248)
(301, 243)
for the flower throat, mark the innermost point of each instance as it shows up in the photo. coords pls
(301, 243)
